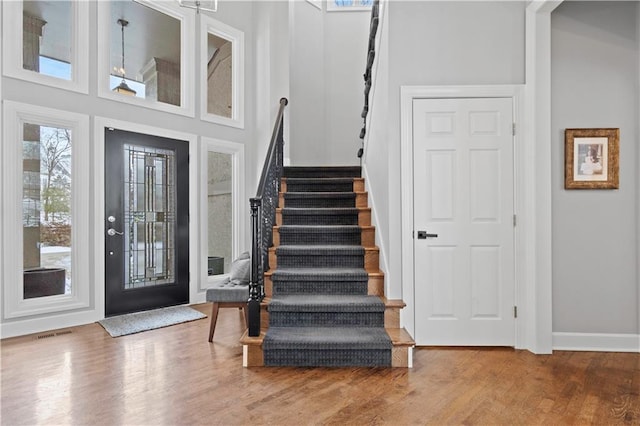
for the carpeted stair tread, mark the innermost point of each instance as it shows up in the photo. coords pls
(319, 274)
(320, 216)
(328, 211)
(318, 181)
(328, 358)
(320, 185)
(332, 338)
(320, 235)
(319, 228)
(326, 311)
(323, 194)
(320, 256)
(284, 250)
(326, 303)
(321, 171)
(319, 199)
(319, 281)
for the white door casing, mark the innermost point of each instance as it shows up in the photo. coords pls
(464, 194)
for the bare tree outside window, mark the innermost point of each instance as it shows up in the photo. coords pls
(46, 201)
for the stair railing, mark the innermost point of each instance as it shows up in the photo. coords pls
(371, 54)
(263, 218)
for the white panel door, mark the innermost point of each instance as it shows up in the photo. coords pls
(463, 221)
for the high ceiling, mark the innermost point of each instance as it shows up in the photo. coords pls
(149, 34)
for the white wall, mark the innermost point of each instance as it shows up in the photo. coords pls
(306, 111)
(438, 43)
(594, 77)
(345, 49)
(271, 26)
(328, 57)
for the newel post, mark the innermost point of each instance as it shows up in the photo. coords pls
(253, 304)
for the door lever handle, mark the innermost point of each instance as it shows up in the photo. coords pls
(111, 232)
(423, 235)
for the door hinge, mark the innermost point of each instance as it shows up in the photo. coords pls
(515, 312)
(514, 220)
(513, 129)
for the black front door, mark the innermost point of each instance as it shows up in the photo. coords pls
(147, 222)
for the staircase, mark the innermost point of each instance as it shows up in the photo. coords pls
(325, 303)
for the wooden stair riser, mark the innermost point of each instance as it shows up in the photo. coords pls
(358, 185)
(364, 216)
(375, 285)
(402, 357)
(264, 317)
(392, 317)
(362, 199)
(367, 236)
(252, 355)
(371, 259)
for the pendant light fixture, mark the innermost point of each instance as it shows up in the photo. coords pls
(122, 87)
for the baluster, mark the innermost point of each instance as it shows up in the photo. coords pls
(256, 256)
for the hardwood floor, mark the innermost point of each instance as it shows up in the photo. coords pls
(173, 376)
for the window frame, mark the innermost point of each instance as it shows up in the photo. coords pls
(15, 305)
(238, 203)
(187, 58)
(12, 41)
(208, 26)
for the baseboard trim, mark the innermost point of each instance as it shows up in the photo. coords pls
(38, 325)
(596, 342)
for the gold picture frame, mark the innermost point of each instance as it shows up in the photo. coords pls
(591, 158)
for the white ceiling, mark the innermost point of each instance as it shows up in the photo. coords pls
(149, 34)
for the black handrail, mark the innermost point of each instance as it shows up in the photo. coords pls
(371, 54)
(263, 218)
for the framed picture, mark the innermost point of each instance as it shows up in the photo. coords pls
(591, 158)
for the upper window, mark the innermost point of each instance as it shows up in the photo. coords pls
(147, 55)
(222, 73)
(348, 5)
(47, 42)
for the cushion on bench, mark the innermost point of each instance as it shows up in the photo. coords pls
(228, 291)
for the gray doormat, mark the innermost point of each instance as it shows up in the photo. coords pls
(149, 320)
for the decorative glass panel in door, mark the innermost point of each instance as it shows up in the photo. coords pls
(149, 216)
(147, 236)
